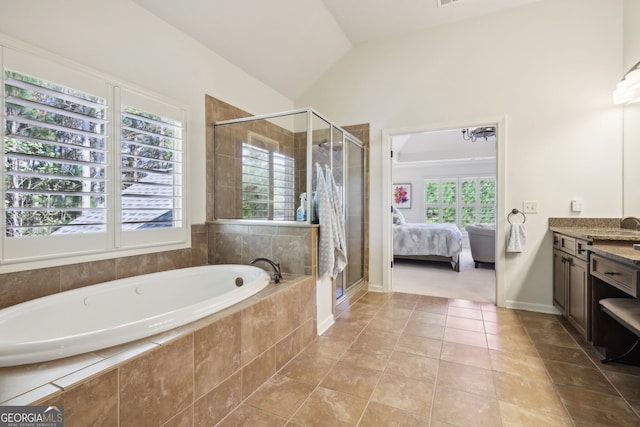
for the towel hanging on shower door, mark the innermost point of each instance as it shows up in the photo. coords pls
(331, 257)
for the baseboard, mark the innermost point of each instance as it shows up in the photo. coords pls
(325, 324)
(538, 308)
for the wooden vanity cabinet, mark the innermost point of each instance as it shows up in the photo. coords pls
(571, 293)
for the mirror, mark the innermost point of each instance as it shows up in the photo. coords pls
(630, 160)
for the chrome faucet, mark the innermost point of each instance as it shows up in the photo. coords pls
(277, 274)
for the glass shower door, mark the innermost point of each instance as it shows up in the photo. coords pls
(354, 209)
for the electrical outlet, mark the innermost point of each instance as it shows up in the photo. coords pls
(530, 206)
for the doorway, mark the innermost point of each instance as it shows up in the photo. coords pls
(450, 172)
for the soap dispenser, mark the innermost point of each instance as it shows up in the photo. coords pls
(301, 212)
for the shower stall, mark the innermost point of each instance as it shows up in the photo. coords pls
(264, 171)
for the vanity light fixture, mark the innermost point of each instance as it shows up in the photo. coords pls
(472, 134)
(628, 89)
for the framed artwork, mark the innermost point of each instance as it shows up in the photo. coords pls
(402, 195)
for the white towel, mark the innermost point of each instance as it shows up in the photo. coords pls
(517, 238)
(326, 253)
(339, 237)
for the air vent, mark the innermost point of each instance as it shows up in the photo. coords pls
(443, 3)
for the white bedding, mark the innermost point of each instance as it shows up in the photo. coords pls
(427, 239)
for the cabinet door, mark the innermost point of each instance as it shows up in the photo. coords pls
(578, 307)
(559, 281)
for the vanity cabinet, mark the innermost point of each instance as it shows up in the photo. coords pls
(571, 281)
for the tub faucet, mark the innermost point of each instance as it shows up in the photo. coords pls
(277, 274)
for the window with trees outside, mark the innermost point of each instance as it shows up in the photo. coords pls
(81, 172)
(267, 182)
(460, 201)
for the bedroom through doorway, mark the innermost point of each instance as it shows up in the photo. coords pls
(443, 183)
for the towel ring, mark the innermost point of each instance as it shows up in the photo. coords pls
(514, 212)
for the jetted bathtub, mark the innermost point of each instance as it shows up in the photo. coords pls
(111, 313)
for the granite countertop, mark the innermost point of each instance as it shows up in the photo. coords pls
(607, 237)
(600, 234)
(618, 251)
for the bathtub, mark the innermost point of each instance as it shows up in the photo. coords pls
(111, 313)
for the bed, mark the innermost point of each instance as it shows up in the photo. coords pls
(430, 242)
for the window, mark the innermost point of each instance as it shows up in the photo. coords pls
(150, 153)
(54, 158)
(267, 182)
(441, 200)
(84, 173)
(460, 201)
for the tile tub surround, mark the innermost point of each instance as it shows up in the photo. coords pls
(200, 371)
(30, 284)
(239, 242)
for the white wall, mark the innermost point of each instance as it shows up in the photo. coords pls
(550, 67)
(119, 38)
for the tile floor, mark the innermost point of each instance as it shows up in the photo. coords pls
(409, 360)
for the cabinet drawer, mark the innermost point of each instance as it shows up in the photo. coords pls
(567, 244)
(581, 249)
(621, 276)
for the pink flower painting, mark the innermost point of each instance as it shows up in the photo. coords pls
(402, 195)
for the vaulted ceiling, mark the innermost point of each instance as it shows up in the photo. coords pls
(290, 44)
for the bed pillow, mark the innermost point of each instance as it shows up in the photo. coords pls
(398, 218)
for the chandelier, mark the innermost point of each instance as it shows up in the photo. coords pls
(628, 89)
(472, 134)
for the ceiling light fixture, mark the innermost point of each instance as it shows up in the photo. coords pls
(628, 89)
(472, 134)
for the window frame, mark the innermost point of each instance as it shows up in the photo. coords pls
(25, 252)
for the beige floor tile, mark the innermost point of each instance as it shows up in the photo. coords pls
(420, 345)
(408, 394)
(599, 408)
(371, 360)
(520, 391)
(280, 396)
(465, 323)
(246, 415)
(466, 378)
(464, 312)
(425, 329)
(518, 364)
(462, 336)
(372, 339)
(353, 380)
(627, 385)
(579, 376)
(516, 416)
(466, 355)
(413, 366)
(378, 415)
(572, 355)
(465, 409)
(308, 369)
(552, 336)
(328, 347)
(431, 307)
(387, 323)
(454, 302)
(516, 345)
(330, 408)
(344, 331)
(427, 317)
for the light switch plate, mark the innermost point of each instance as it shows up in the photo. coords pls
(530, 206)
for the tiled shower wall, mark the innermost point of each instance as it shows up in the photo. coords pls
(27, 285)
